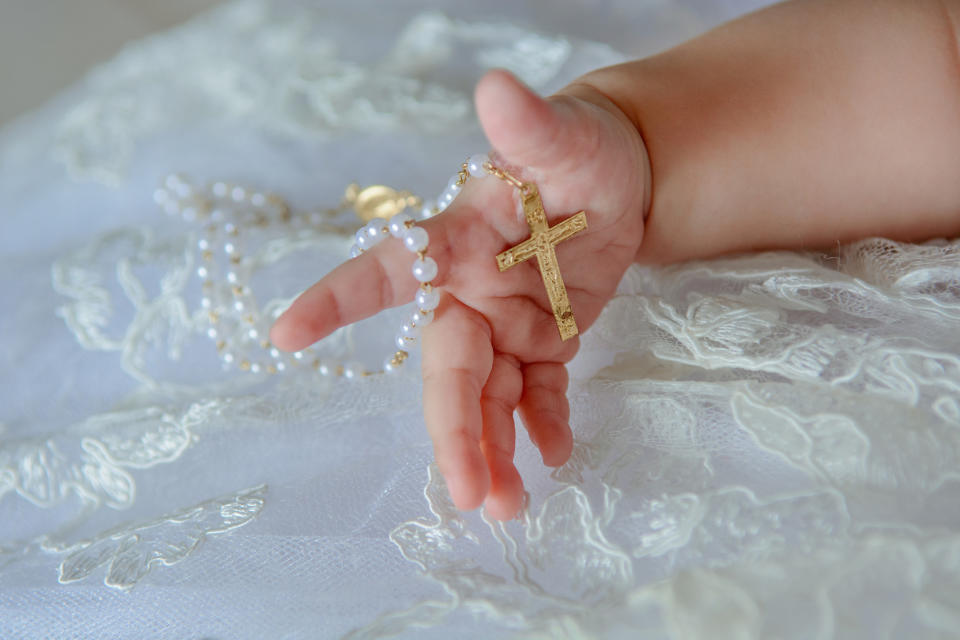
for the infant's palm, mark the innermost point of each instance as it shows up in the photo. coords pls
(494, 346)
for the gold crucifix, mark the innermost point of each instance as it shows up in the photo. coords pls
(543, 238)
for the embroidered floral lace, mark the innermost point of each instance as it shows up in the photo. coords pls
(767, 446)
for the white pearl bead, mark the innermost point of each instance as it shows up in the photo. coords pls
(239, 194)
(427, 300)
(454, 186)
(353, 370)
(189, 214)
(416, 239)
(421, 318)
(217, 215)
(374, 231)
(355, 251)
(203, 244)
(255, 367)
(206, 302)
(410, 330)
(298, 355)
(425, 270)
(239, 306)
(172, 207)
(275, 353)
(390, 367)
(172, 181)
(228, 358)
(362, 240)
(404, 342)
(475, 165)
(202, 272)
(398, 224)
(279, 366)
(326, 368)
(253, 334)
(446, 198)
(427, 210)
(258, 199)
(220, 189)
(161, 196)
(212, 333)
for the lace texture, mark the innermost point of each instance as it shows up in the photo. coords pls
(766, 445)
(277, 69)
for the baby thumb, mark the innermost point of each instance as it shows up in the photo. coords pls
(523, 128)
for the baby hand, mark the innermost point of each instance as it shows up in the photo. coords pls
(494, 347)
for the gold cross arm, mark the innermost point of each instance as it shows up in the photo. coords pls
(543, 238)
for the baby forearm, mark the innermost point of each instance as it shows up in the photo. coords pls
(805, 124)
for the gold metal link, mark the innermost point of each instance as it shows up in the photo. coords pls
(463, 175)
(504, 175)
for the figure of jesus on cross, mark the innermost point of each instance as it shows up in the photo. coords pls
(543, 238)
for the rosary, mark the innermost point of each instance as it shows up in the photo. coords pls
(236, 324)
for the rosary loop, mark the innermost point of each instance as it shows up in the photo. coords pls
(238, 327)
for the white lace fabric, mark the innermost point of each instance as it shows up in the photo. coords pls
(767, 445)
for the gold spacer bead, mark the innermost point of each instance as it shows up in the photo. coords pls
(463, 175)
(265, 344)
(221, 345)
(207, 255)
(271, 369)
(351, 193)
(245, 365)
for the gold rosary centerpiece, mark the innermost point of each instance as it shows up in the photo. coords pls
(541, 243)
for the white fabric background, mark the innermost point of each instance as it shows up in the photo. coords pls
(767, 445)
(44, 46)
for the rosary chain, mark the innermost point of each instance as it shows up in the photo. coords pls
(383, 209)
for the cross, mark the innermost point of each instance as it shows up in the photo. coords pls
(543, 238)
